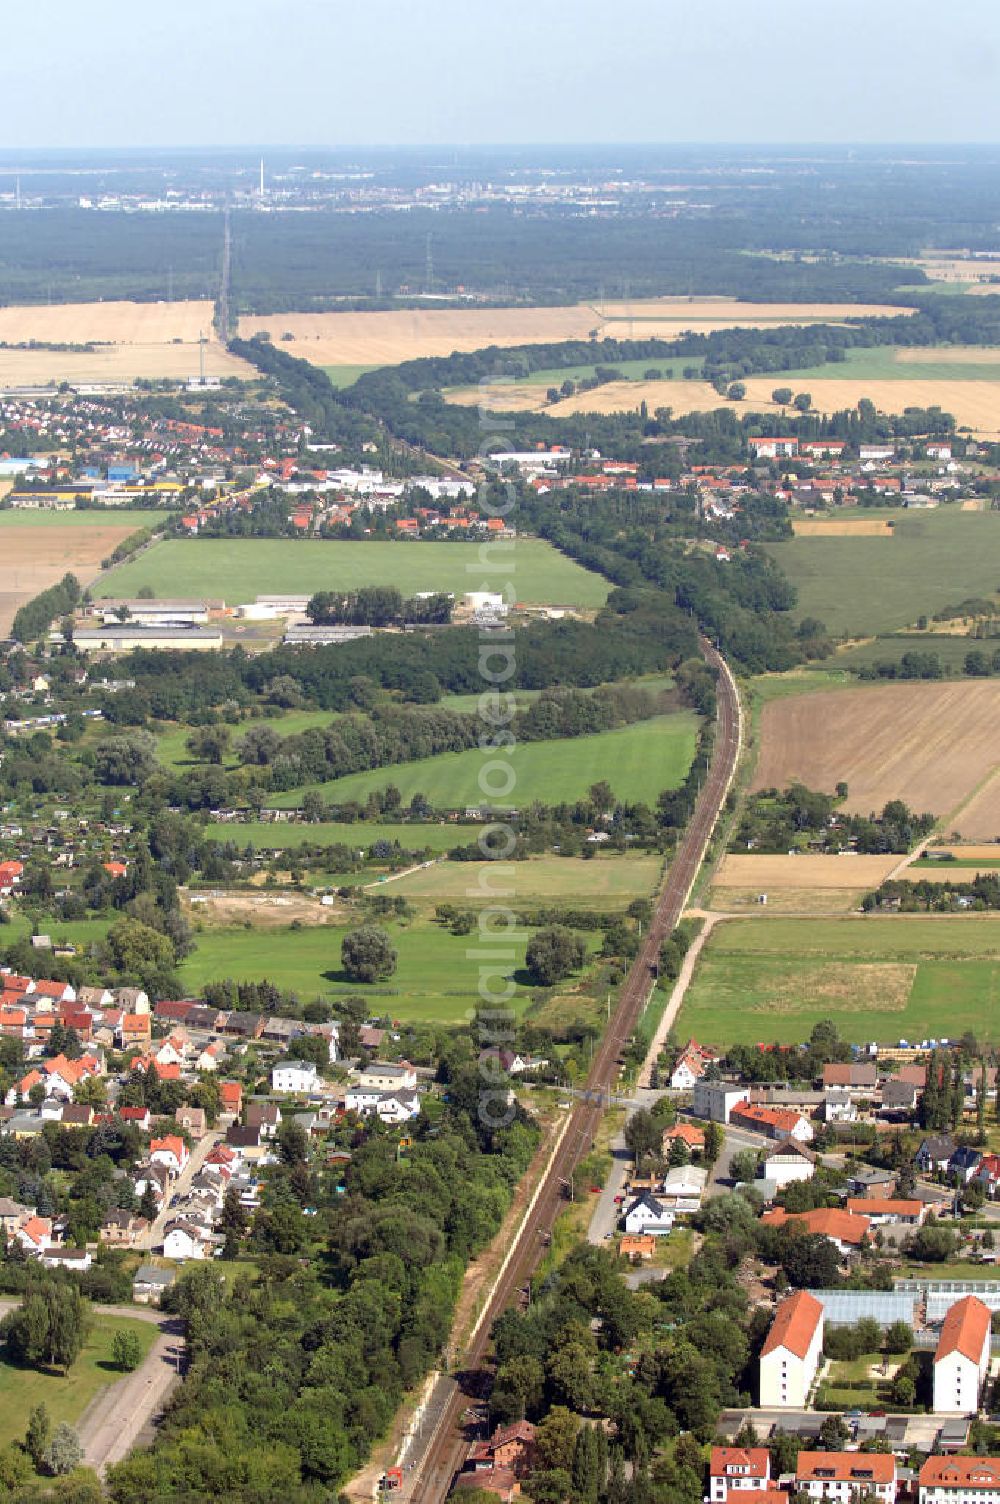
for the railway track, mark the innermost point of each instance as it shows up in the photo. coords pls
(430, 1478)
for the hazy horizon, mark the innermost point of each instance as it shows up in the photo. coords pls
(237, 73)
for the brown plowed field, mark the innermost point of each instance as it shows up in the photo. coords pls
(763, 873)
(33, 558)
(929, 744)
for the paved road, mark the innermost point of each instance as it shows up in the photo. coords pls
(200, 1152)
(436, 1465)
(120, 1415)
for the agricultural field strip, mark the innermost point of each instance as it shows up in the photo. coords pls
(35, 557)
(243, 568)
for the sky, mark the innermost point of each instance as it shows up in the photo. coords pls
(389, 72)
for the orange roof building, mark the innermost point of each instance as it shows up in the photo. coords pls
(640, 1245)
(738, 1468)
(944, 1477)
(790, 1356)
(836, 1475)
(844, 1229)
(962, 1359)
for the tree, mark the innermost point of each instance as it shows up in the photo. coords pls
(714, 1139)
(64, 1451)
(147, 1203)
(643, 1135)
(810, 1261)
(743, 1165)
(555, 1438)
(833, 1433)
(367, 954)
(553, 954)
(782, 395)
(898, 1338)
(737, 391)
(126, 1350)
(208, 744)
(587, 1478)
(50, 1326)
(803, 401)
(37, 1437)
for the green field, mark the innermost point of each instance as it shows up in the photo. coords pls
(359, 835)
(172, 751)
(602, 882)
(89, 517)
(436, 980)
(951, 650)
(341, 376)
(67, 1396)
(638, 761)
(863, 586)
(886, 979)
(239, 569)
(882, 363)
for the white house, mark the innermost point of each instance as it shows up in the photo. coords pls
(962, 1359)
(170, 1151)
(381, 1076)
(650, 1216)
(737, 1469)
(683, 1188)
(295, 1076)
(786, 1162)
(846, 1475)
(390, 1106)
(791, 1352)
(183, 1241)
(959, 1480)
(715, 1100)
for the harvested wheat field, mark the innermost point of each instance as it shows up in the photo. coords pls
(928, 744)
(32, 558)
(802, 902)
(857, 527)
(980, 821)
(975, 404)
(952, 355)
(370, 339)
(805, 872)
(132, 339)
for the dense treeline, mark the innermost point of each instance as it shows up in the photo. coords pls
(294, 1374)
(34, 618)
(929, 896)
(378, 606)
(774, 821)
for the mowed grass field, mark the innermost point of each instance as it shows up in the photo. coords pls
(89, 517)
(638, 761)
(769, 979)
(602, 882)
(240, 569)
(436, 979)
(864, 586)
(67, 1396)
(358, 835)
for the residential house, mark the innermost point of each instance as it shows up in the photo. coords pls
(264, 1116)
(243, 1025)
(184, 1240)
(685, 1133)
(988, 1173)
(13, 1215)
(682, 1188)
(773, 1122)
(885, 1211)
(899, 1099)
(78, 1259)
(131, 999)
(383, 1076)
(193, 1120)
(170, 1151)
(231, 1098)
(846, 1475)
(498, 1481)
(934, 1154)
(739, 1469)
(791, 1353)
(715, 1100)
(150, 1283)
(390, 1106)
(858, 1077)
(962, 1358)
(787, 1161)
(865, 1182)
(158, 1178)
(35, 1236)
(960, 1480)
(690, 1065)
(135, 1029)
(123, 1229)
(210, 1056)
(138, 1117)
(847, 1232)
(511, 1447)
(298, 1076)
(963, 1164)
(650, 1216)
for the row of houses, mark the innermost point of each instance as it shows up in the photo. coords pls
(745, 1472)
